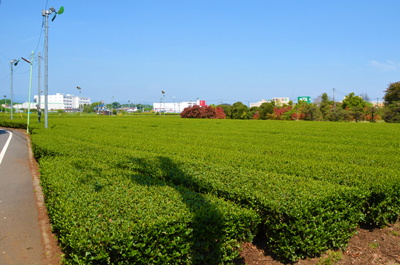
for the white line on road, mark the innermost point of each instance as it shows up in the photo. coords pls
(3, 152)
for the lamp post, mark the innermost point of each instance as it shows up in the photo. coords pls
(46, 13)
(129, 103)
(164, 101)
(30, 87)
(112, 98)
(12, 63)
(5, 103)
(79, 99)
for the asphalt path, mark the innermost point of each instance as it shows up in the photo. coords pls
(20, 236)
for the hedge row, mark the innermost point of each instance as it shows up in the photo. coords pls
(310, 185)
(104, 215)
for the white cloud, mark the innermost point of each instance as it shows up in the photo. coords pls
(385, 66)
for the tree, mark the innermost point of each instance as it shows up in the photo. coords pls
(392, 112)
(357, 112)
(372, 110)
(392, 93)
(226, 109)
(206, 112)
(240, 111)
(365, 97)
(351, 101)
(311, 112)
(266, 109)
(338, 114)
(325, 104)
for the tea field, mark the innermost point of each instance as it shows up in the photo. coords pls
(166, 190)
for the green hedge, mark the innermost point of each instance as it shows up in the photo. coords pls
(106, 216)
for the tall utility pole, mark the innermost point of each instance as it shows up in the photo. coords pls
(5, 104)
(334, 103)
(12, 63)
(79, 100)
(160, 105)
(112, 98)
(46, 13)
(39, 59)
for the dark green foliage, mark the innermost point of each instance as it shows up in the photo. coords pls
(392, 112)
(392, 93)
(309, 184)
(351, 101)
(110, 216)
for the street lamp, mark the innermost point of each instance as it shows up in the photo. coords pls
(46, 13)
(30, 87)
(12, 63)
(79, 100)
(129, 103)
(164, 101)
(112, 98)
(5, 103)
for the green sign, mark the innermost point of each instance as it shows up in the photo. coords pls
(306, 99)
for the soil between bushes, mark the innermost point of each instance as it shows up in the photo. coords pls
(368, 246)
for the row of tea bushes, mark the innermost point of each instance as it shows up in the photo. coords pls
(104, 215)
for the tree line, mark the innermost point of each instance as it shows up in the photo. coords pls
(352, 108)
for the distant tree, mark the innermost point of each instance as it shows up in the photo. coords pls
(205, 112)
(338, 114)
(114, 112)
(365, 97)
(227, 110)
(265, 110)
(351, 101)
(325, 104)
(115, 105)
(392, 93)
(392, 112)
(240, 111)
(311, 112)
(283, 113)
(357, 112)
(372, 112)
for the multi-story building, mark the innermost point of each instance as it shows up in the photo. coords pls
(177, 107)
(259, 103)
(278, 101)
(61, 101)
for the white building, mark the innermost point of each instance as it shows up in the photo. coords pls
(176, 107)
(259, 103)
(25, 105)
(61, 101)
(278, 102)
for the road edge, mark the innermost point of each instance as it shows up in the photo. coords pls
(51, 250)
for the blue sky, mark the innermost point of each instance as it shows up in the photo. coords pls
(215, 50)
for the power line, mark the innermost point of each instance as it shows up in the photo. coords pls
(5, 56)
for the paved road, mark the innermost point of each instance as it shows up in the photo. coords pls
(20, 237)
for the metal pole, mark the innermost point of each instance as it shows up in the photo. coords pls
(39, 59)
(334, 103)
(160, 105)
(46, 65)
(164, 104)
(12, 62)
(80, 96)
(29, 100)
